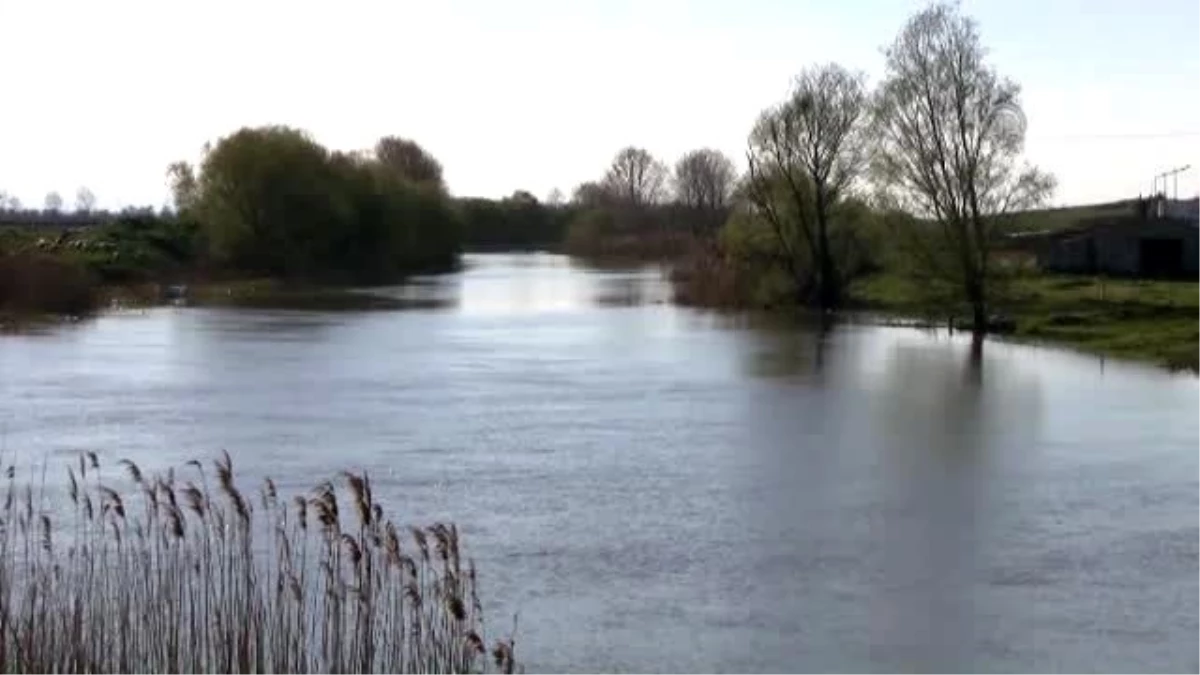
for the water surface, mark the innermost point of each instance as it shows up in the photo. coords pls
(654, 488)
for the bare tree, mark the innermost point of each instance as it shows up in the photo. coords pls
(523, 198)
(950, 132)
(704, 182)
(635, 178)
(555, 198)
(184, 186)
(591, 195)
(410, 161)
(85, 200)
(804, 155)
(53, 202)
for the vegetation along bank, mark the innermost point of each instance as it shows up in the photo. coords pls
(910, 197)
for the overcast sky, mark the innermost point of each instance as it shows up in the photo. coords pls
(538, 94)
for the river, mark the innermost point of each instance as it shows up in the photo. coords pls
(653, 488)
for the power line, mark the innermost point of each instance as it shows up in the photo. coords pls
(1137, 136)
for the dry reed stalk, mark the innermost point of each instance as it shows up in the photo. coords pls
(192, 583)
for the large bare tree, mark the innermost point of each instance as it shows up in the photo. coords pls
(184, 186)
(591, 195)
(704, 182)
(950, 133)
(804, 155)
(85, 200)
(635, 178)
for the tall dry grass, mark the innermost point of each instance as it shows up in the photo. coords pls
(36, 283)
(191, 574)
(707, 276)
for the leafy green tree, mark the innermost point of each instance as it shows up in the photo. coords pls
(265, 201)
(804, 156)
(184, 187)
(408, 160)
(393, 225)
(272, 200)
(517, 222)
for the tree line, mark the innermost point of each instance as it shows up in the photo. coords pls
(272, 200)
(924, 167)
(85, 203)
(840, 180)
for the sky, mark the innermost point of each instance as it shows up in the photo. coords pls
(540, 94)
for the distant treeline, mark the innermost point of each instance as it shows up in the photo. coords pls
(53, 219)
(919, 174)
(518, 222)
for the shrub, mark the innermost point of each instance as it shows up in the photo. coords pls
(271, 200)
(754, 268)
(607, 234)
(32, 282)
(140, 247)
(586, 232)
(706, 276)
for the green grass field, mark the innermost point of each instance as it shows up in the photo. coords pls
(1146, 320)
(1067, 216)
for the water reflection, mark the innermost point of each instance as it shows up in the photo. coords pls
(791, 347)
(940, 412)
(933, 421)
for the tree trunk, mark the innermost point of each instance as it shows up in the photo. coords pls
(978, 300)
(829, 284)
(826, 275)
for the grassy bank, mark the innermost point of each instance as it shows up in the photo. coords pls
(257, 293)
(1153, 321)
(54, 275)
(268, 293)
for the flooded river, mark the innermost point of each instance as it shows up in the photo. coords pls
(654, 488)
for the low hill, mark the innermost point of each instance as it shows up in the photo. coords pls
(1068, 216)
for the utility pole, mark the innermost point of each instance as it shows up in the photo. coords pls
(1174, 174)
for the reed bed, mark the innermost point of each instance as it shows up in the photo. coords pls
(191, 574)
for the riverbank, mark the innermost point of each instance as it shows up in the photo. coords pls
(254, 293)
(1154, 321)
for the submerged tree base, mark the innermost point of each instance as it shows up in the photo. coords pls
(1137, 319)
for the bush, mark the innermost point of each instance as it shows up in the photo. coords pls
(625, 235)
(140, 247)
(708, 277)
(32, 282)
(273, 201)
(587, 231)
(748, 266)
(518, 222)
